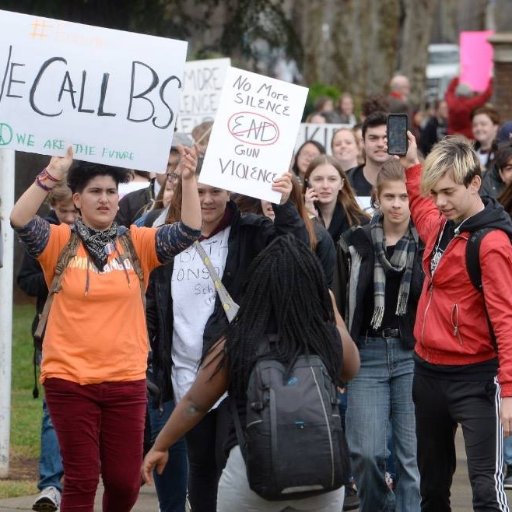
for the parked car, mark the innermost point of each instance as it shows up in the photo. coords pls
(442, 66)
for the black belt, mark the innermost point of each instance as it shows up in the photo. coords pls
(384, 333)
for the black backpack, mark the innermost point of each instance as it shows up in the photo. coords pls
(293, 443)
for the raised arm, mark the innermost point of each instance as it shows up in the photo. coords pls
(425, 215)
(190, 207)
(28, 204)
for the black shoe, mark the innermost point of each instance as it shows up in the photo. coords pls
(507, 482)
(351, 498)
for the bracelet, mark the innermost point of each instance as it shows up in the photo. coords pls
(40, 184)
(44, 174)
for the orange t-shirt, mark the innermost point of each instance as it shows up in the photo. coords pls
(97, 332)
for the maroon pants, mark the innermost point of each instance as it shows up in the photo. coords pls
(100, 428)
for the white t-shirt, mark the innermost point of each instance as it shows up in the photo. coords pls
(193, 295)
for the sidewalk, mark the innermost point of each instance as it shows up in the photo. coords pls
(147, 502)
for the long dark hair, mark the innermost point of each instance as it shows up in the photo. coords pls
(320, 147)
(346, 196)
(286, 294)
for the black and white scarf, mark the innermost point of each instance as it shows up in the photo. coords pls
(98, 244)
(402, 260)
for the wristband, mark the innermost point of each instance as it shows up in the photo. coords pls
(40, 184)
(44, 174)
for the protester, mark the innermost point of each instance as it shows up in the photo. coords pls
(363, 178)
(382, 279)
(461, 102)
(316, 118)
(461, 367)
(94, 360)
(435, 128)
(344, 113)
(497, 179)
(286, 294)
(31, 281)
(345, 148)
(136, 203)
(504, 133)
(328, 195)
(485, 122)
(185, 317)
(303, 156)
(398, 98)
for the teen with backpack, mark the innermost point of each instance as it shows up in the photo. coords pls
(285, 313)
(463, 351)
(95, 345)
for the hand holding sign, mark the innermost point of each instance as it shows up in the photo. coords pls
(59, 165)
(283, 185)
(253, 134)
(188, 162)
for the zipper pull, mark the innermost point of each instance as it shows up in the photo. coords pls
(455, 330)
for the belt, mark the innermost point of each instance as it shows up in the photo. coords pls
(384, 333)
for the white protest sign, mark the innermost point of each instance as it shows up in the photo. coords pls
(202, 85)
(254, 133)
(112, 95)
(319, 132)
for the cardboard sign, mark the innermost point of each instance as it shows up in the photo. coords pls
(254, 134)
(202, 84)
(321, 133)
(112, 95)
(476, 59)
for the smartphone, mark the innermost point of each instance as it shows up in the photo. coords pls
(397, 134)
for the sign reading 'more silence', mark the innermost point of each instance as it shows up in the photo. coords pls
(254, 133)
(112, 95)
(202, 85)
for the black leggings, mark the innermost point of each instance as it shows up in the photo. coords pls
(441, 404)
(206, 457)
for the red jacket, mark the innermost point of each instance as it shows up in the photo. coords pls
(451, 325)
(461, 108)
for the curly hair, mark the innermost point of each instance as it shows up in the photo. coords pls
(82, 173)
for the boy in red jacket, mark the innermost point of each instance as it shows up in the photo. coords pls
(459, 375)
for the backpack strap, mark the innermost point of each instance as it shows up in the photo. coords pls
(473, 256)
(129, 252)
(475, 271)
(68, 252)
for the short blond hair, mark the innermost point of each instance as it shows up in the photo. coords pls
(452, 154)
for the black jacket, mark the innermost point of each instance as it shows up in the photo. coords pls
(492, 184)
(249, 235)
(31, 278)
(359, 239)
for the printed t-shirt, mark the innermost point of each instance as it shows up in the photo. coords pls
(96, 330)
(193, 299)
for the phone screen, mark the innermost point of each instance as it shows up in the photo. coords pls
(397, 134)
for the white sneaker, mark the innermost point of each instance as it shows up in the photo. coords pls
(48, 500)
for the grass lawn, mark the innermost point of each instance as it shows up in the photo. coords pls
(25, 411)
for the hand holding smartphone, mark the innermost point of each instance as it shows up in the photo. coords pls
(397, 127)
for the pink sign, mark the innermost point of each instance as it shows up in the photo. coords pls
(476, 59)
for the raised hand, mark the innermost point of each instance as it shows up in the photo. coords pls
(283, 185)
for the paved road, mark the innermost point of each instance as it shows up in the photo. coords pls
(147, 502)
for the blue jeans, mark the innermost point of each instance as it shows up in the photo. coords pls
(50, 461)
(171, 485)
(380, 397)
(507, 450)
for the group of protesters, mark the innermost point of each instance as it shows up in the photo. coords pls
(377, 246)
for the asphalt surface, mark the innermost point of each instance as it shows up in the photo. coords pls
(147, 502)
